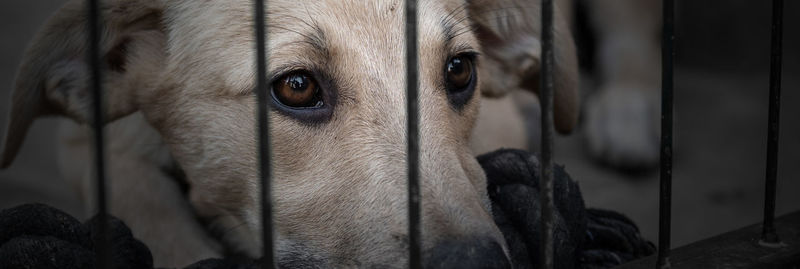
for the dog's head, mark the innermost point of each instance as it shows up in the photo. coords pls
(338, 121)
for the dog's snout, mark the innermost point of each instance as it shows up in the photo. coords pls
(471, 253)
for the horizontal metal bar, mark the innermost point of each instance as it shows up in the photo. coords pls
(737, 249)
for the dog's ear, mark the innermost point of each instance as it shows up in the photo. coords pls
(509, 32)
(55, 77)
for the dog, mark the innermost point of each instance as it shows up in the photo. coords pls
(622, 116)
(179, 114)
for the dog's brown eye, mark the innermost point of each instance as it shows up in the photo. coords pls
(459, 73)
(297, 90)
(460, 76)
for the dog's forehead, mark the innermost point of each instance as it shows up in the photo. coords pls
(215, 39)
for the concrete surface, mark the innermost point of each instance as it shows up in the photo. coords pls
(720, 130)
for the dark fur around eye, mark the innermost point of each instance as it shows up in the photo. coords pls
(460, 76)
(303, 95)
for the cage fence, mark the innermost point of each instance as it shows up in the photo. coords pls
(737, 248)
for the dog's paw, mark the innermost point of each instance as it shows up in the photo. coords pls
(622, 126)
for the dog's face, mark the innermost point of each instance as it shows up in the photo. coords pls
(338, 112)
(337, 125)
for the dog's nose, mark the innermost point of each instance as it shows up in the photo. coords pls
(472, 253)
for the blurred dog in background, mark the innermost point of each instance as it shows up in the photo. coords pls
(618, 41)
(622, 115)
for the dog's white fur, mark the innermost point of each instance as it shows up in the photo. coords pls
(178, 82)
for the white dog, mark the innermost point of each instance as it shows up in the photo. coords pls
(179, 86)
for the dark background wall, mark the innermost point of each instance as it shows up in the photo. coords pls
(734, 35)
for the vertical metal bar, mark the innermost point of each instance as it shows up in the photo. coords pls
(412, 112)
(546, 182)
(769, 235)
(265, 155)
(103, 258)
(665, 193)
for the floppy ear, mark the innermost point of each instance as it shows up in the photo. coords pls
(54, 77)
(509, 32)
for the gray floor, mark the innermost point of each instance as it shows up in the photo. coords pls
(720, 138)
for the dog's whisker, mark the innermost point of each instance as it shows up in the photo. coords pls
(315, 23)
(464, 30)
(293, 31)
(520, 8)
(459, 10)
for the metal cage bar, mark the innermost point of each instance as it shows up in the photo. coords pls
(546, 91)
(264, 153)
(412, 136)
(769, 235)
(102, 243)
(665, 192)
